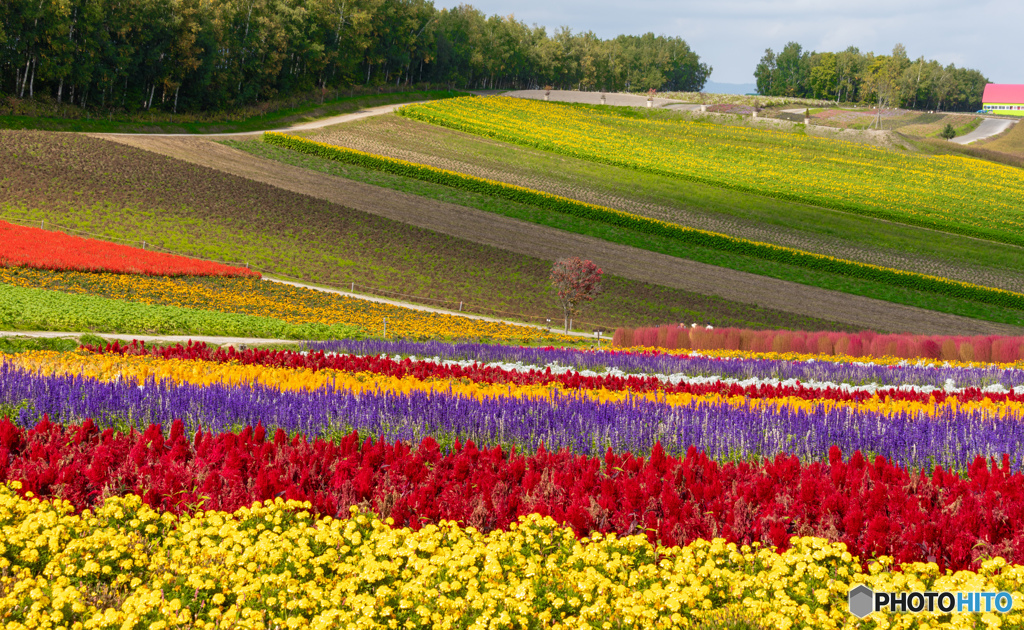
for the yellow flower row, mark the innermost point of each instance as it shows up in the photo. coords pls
(137, 369)
(293, 141)
(952, 190)
(276, 566)
(253, 296)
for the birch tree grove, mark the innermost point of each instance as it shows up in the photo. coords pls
(207, 55)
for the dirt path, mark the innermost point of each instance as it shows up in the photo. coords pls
(316, 124)
(549, 244)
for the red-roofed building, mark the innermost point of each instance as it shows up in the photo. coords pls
(1003, 99)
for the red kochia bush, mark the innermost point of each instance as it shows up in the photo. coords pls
(865, 343)
(875, 508)
(43, 249)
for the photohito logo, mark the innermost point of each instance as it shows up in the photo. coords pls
(863, 601)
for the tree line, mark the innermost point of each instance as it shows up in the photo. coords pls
(205, 55)
(892, 80)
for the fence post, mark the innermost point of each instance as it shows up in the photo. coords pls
(460, 306)
(353, 289)
(42, 224)
(143, 244)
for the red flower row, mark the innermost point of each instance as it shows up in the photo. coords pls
(570, 380)
(874, 508)
(42, 249)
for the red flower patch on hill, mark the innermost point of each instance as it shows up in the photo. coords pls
(42, 249)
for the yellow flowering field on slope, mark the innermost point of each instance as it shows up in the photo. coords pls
(274, 565)
(253, 296)
(951, 193)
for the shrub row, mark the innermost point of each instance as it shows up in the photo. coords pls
(691, 236)
(992, 348)
(875, 508)
(426, 370)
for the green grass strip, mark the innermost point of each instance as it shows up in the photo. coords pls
(692, 236)
(41, 309)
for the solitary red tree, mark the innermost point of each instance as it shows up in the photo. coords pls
(576, 281)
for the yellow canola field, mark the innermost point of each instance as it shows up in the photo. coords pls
(264, 298)
(138, 369)
(944, 190)
(276, 566)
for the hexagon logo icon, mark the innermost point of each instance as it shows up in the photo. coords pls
(861, 600)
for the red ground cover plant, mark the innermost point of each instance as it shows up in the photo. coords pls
(875, 508)
(992, 348)
(42, 249)
(425, 370)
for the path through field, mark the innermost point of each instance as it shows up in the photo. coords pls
(550, 244)
(988, 128)
(323, 122)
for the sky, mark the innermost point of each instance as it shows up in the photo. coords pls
(732, 35)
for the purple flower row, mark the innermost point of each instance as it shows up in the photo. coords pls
(952, 439)
(822, 371)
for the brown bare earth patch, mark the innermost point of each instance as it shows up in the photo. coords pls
(543, 243)
(304, 226)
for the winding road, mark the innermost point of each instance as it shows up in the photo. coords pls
(988, 128)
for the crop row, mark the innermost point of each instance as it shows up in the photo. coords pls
(955, 194)
(276, 566)
(40, 309)
(991, 348)
(137, 391)
(875, 508)
(254, 297)
(738, 364)
(814, 399)
(692, 236)
(566, 380)
(43, 249)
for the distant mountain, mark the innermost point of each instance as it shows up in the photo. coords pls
(712, 87)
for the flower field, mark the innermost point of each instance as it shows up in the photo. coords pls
(396, 483)
(954, 194)
(240, 306)
(43, 249)
(711, 240)
(373, 483)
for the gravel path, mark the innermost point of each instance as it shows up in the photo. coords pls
(550, 244)
(988, 128)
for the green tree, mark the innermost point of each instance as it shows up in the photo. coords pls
(766, 74)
